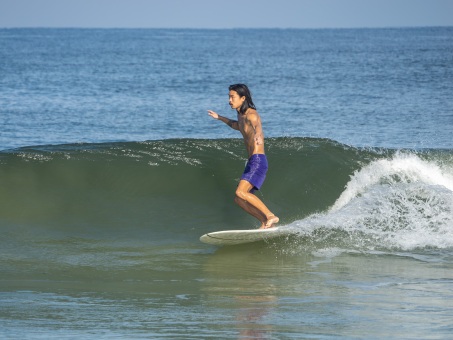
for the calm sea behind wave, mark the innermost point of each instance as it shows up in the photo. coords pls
(111, 170)
(364, 87)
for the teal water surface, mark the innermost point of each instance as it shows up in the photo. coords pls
(101, 240)
(111, 170)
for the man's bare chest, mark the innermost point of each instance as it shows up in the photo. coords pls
(244, 125)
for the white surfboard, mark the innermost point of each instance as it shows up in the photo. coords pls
(232, 237)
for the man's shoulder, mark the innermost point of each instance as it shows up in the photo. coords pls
(251, 112)
(252, 115)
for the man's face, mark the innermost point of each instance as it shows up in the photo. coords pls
(235, 100)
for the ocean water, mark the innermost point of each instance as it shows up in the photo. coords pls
(111, 170)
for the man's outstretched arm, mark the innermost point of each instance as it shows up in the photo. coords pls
(231, 123)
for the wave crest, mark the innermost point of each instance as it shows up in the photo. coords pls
(403, 202)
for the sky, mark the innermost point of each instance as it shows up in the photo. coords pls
(225, 13)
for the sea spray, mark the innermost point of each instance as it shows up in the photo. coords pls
(402, 202)
(402, 168)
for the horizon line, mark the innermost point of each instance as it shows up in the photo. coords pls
(225, 28)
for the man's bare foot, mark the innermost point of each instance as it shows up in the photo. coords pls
(271, 221)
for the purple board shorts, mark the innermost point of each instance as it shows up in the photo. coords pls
(255, 171)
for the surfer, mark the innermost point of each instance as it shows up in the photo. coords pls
(249, 124)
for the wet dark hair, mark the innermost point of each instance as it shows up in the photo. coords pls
(243, 91)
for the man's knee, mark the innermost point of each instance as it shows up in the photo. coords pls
(240, 195)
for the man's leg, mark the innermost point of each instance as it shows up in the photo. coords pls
(253, 205)
(251, 210)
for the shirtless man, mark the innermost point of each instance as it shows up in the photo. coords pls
(249, 124)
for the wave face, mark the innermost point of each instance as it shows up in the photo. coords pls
(333, 194)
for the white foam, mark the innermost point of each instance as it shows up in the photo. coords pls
(399, 203)
(404, 168)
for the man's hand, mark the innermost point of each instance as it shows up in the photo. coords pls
(231, 123)
(213, 114)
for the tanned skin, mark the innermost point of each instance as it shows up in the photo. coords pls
(249, 124)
